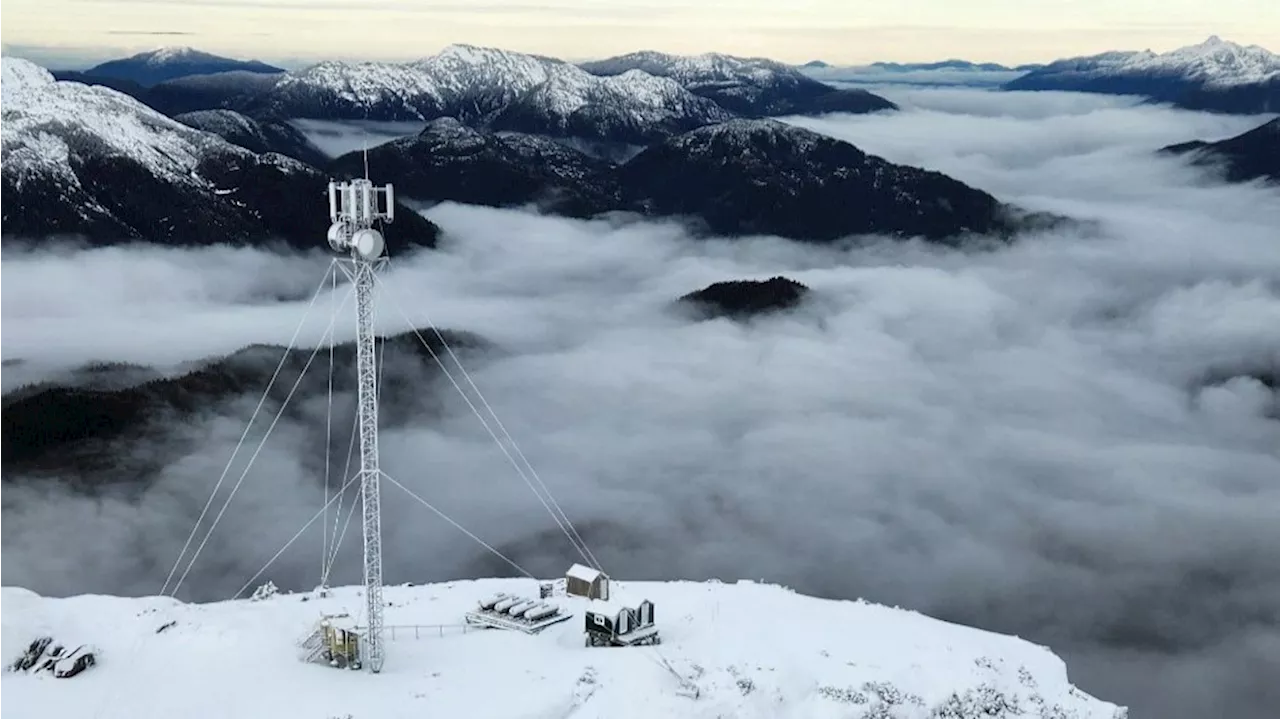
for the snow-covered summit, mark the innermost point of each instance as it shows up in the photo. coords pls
(21, 76)
(1214, 75)
(47, 122)
(178, 53)
(166, 63)
(743, 650)
(692, 70)
(1214, 61)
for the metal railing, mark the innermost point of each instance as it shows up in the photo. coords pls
(418, 631)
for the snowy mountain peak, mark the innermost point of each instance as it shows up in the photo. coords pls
(692, 70)
(181, 53)
(20, 76)
(1214, 62)
(479, 54)
(462, 69)
(116, 122)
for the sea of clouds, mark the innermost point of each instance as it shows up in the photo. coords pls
(1070, 439)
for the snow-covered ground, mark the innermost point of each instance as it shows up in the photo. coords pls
(751, 650)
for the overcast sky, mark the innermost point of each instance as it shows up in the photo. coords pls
(76, 32)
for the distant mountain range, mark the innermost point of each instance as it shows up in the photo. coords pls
(613, 107)
(947, 73)
(1215, 75)
(151, 68)
(91, 161)
(953, 64)
(1253, 155)
(749, 87)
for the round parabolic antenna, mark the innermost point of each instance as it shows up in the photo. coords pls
(368, 244)
(338, 236)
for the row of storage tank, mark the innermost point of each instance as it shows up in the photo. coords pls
(530, 609)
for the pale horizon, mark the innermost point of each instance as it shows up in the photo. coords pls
(73, 34)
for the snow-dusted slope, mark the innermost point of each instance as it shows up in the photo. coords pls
(1213, 75)
(632, 109)
(354, 91)
(254, 135)
(167, 63)
(90, 161)
(753, 87)
(497, 89)
(745, 650)
(48, 124)
(474, 82)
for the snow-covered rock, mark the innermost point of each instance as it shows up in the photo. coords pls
(1213, 75)
(167, 63)
(743, 650)
(87, 160)
(751, 87)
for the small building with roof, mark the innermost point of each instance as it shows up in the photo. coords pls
(584, 581)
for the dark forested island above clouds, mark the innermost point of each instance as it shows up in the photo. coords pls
(1252, 155)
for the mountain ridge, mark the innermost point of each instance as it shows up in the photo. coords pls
(751, 87)
(88, 161)
(1251, 155)
(1214, 75)
(732, 178)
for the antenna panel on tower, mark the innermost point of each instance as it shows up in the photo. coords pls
(360, 203)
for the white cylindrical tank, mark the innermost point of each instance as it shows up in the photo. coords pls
(517, 609)
(540, 612)
(506, 604)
